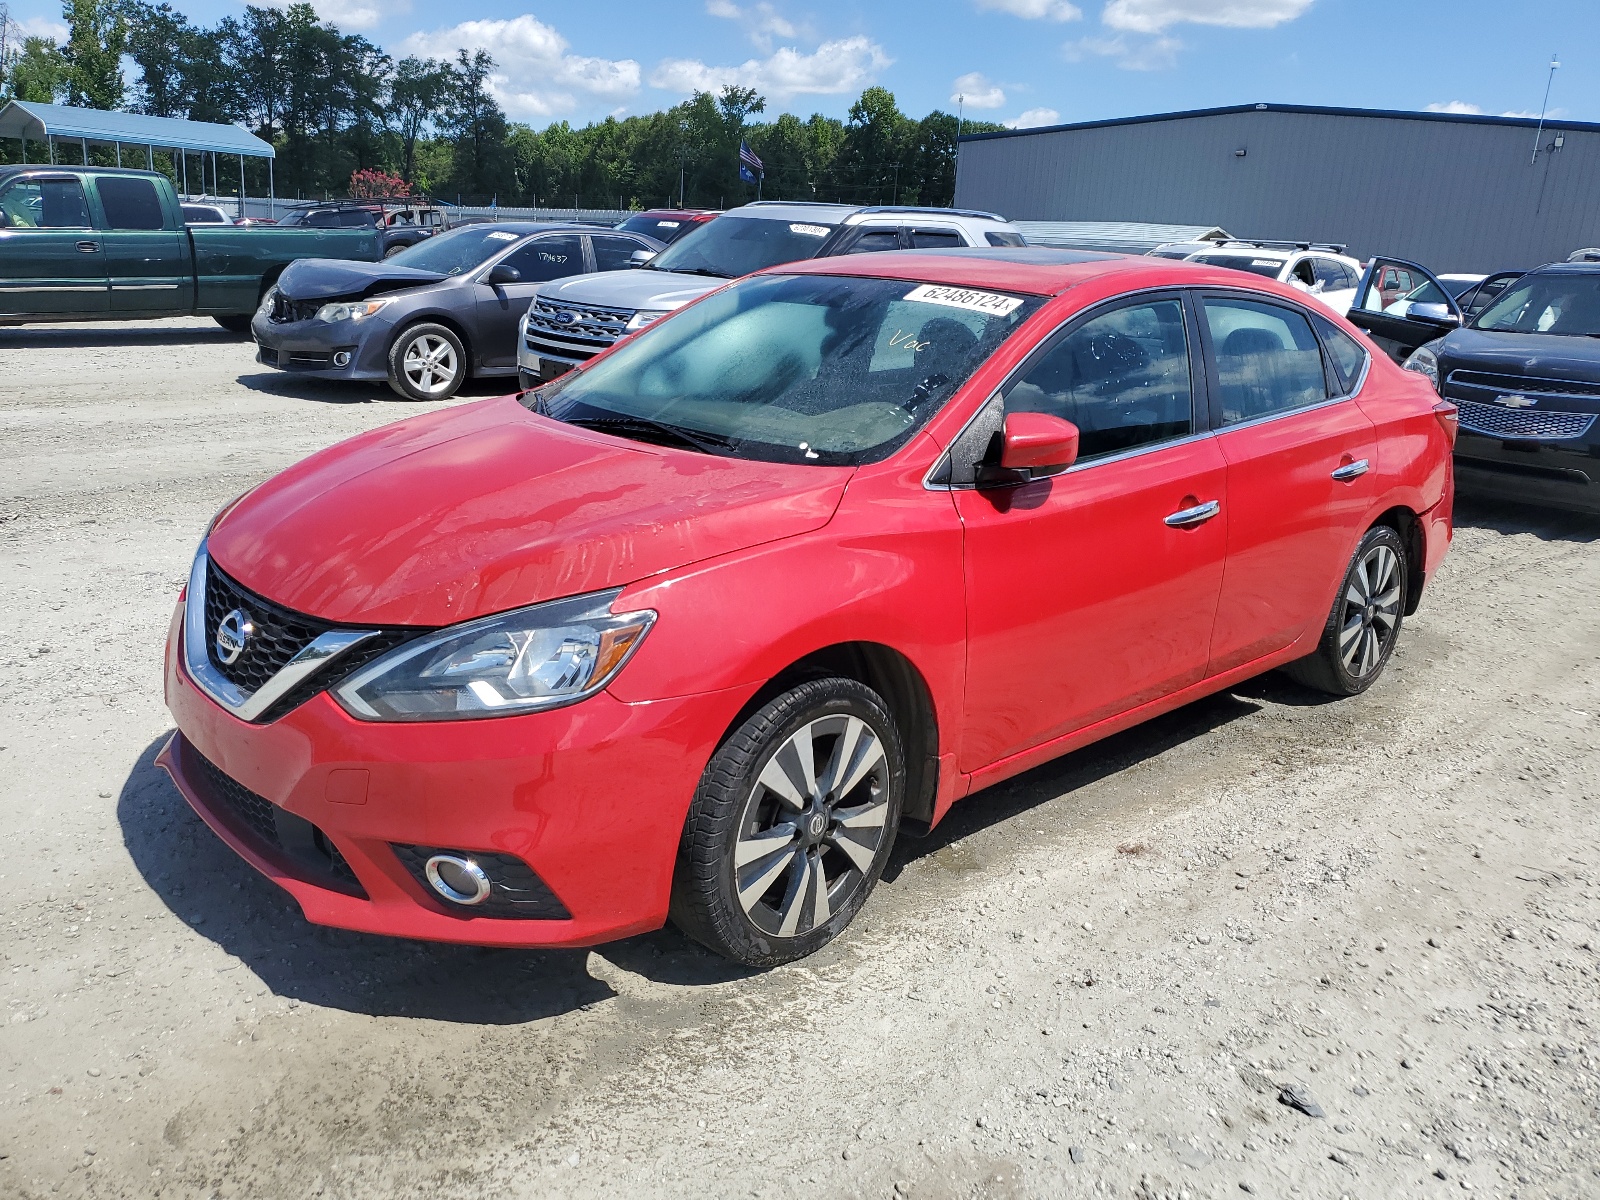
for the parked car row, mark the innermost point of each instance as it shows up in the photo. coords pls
(695, 631)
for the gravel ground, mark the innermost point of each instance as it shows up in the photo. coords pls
(1094, 980)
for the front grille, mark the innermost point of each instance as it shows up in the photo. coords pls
(1518, 383)
(277, 635)
(310, 360)
(285, 836)
(285, 310)
(577, 331)
(515, 890)
(1533, 423)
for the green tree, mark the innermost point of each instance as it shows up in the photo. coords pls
(477, 127)
(38, 73)
(97, 36)
(416, 101)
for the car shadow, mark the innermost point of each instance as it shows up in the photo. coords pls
(1508, 517)
(360, 391)
(1072, 772)
(221, 898)
(45, 337)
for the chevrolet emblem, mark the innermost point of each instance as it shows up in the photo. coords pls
(1514, 401)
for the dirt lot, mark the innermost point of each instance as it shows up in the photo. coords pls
(1094, 980)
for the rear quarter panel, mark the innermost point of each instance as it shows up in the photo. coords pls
(232, 265)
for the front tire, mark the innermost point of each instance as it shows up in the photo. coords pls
(792, 824)
(427, 362)
(1364, 625)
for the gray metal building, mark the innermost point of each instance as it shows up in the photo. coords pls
(1453, 192)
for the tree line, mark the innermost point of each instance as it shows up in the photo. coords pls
(333, 104)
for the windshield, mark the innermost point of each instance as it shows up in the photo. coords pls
(1242, 262)
(456, 252)
(793, 368)
(733, 246)
(663, 229)
(1562, 304)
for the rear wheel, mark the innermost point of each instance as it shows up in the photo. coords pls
(427, 362)
(791, 825)
(234, 322)
(1365, 622)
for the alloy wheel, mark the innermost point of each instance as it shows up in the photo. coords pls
(430, 364)
(1371, 612)
(812, 826)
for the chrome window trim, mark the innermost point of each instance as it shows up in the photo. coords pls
(1284, 412)
(249, 706)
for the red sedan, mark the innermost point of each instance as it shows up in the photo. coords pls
(694, 631)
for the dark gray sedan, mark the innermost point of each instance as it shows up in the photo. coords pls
(433, 314)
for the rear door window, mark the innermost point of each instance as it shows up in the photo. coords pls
(872, 240)
(357, 218)
(936, 239)
(1267, 359)
(1122, 378)
(44, 204)
(1347, 355)
(613, 253)
(130, 203)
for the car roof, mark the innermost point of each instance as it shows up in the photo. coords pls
(523, 228)
(691, 214)
(1031, 270)
(1567, 268)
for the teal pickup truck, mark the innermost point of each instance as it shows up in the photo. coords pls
(105, 244)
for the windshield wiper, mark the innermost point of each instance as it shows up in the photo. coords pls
(697, 271)
(646, 429)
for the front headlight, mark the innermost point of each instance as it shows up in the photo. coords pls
(268, 300)
(350, 310)
(1424, 362)
(643, 317)
(517, 662)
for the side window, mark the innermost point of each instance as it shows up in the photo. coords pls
(998, 238)
(357, 218)
(1303, 275)
(1331, 275)
(1122, 378)
(936, 239)
(612, 253)
(872, 240)
(1347, 354)
(1267, 359)
(44, 204)
(548, 258)
(323, 218)
(130, 203)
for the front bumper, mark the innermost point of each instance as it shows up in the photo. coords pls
(309, 347)
(1563, 474)
(592, 798)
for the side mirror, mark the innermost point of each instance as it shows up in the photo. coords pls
(639, 257)
(503, 273)
(1038, 444)
(1434, 314)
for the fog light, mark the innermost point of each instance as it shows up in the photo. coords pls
(458, 880)
(341, 358)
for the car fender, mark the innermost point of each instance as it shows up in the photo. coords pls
(887, 570)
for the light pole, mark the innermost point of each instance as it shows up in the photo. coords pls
(1538, 134)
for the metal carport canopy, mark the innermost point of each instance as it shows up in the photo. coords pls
(44, 122)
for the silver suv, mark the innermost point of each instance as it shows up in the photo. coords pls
(572, 320)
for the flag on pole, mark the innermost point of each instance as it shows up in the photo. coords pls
(749, 164)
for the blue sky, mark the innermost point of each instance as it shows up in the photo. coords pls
(1019, 61)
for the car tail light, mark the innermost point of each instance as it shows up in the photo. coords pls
(1449, 417)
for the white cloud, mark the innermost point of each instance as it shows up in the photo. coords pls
(43, 27)
(1129, 53)
(1035, 10)
(1555, 114)
(843, 65)
(350, 14)
(1453, 106)
(1154, 16)
(534, 75)
(1035, 117)
(762, 22)
(977, 92)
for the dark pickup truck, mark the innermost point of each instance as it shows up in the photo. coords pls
(105, 244)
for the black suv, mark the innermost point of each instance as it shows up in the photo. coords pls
(1525, 373)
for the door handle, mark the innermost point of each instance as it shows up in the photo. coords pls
(1351, 471)
(1186, 518)
(88, 247)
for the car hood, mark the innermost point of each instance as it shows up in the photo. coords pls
(1533, 355)
(331, 278)
(488, 507)
(633, 289)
